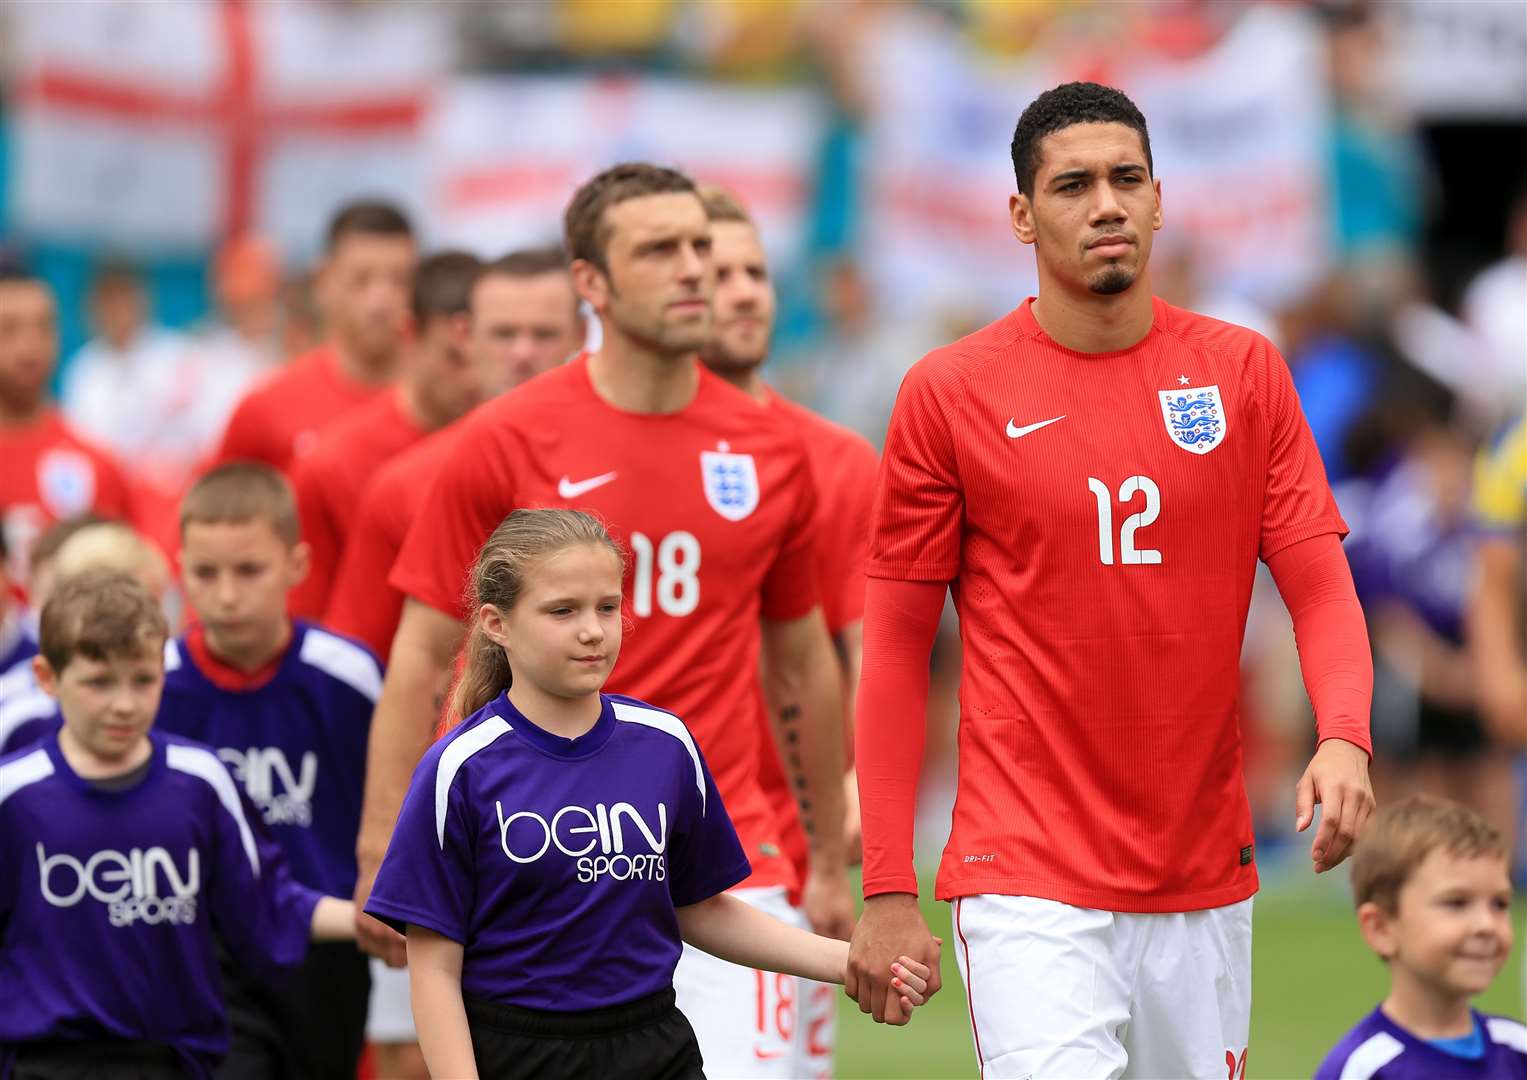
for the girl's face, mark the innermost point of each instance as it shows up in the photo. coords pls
(563, 634)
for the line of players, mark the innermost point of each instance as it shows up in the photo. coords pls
(747, 518)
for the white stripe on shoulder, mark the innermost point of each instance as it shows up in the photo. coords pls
(171, 655)
(33, 704)
(343, 660)
(1372, 1056)
(1508, 1033)
(654, 718)
(205, 765)
(16, 678)
(454, 757)
(15, 775)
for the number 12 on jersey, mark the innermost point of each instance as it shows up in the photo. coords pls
(1129, 555)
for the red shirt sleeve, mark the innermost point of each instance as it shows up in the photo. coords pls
(315, 513)
(919, 506)
(363, 603)
(1315, 581)
(847, 512)
(790, 588)
(473, 493)
(1297, 503)
(900, 624)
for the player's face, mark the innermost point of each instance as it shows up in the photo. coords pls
(658, 287)
(236, 576)
(744, 304)
(366, 282)
(442, 364)
(1093, 210)
(108, 705)
(522, 326)
(28, 343)
(563, 633)
(1452, 930)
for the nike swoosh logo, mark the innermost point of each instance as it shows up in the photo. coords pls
(1020, 432)
(569, 489)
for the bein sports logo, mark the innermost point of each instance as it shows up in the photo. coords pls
(284, 797)
(128, 882)
(576, 831)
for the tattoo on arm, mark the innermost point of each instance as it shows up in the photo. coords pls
(790, 720)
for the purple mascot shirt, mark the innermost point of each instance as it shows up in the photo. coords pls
(1379, 1049)
(555, 862)
(112, 901)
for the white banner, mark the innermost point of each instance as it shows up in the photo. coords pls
(165, 125)
(1236, 134)
(507, 153)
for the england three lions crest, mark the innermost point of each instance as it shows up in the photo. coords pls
(1195, 418)
(731, 483)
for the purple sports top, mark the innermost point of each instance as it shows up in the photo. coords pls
(557, 863)
(1379, 1049)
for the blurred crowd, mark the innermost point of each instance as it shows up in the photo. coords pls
(1410, 355)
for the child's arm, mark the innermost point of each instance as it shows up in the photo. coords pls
(333, 920)
(434, 980)
(726, 927)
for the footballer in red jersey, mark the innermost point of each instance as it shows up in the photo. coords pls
(711, 494)
(48, 473)
(439, 384)
(801, 1017)
(523, 319)
(363, 287)
(1095, 476)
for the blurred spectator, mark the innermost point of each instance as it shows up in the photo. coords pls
(124, 386)
(47, 472)
(1495, 307)
(1412, 550)
(1497, 624)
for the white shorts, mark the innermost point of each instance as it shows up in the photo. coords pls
(1079, 994)
(391, 1015)
(758, 1024)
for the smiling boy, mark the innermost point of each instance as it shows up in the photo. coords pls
(1434, 902)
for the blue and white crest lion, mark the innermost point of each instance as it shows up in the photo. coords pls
(731, 483)
(1195, 417)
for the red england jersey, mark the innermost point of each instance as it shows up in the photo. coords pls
(1100, 517)
(843, 467)
(329, 482)
(363, 604)
(48, 474)
(715, 504)
(279, 420)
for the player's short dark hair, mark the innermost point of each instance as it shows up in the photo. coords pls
(242, 491)
(115, 273)
(370, 216)
(15, 272)
(584, 225)
(100, 614)
(1401, 836)
(443, 285)
(1067, 105)
(529, 262)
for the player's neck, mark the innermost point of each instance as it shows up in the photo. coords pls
(22, 416)
(253, 655)
(635, 378)
(89, 765)
(373, 369)
(418, 408)
(748, 380)
(567, 718)
(1089, 323)
(1424, 1012)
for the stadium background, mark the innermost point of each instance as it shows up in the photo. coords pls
(1339, 176)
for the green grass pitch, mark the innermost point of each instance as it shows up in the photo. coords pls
(1312, 980)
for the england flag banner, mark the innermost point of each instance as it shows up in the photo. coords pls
(508, 153)
(169, 125)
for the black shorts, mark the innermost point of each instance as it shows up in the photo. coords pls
(311, 1025)
(646, 1039)
(97, 1059)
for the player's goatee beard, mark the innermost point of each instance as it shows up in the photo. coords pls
(1112, 281)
